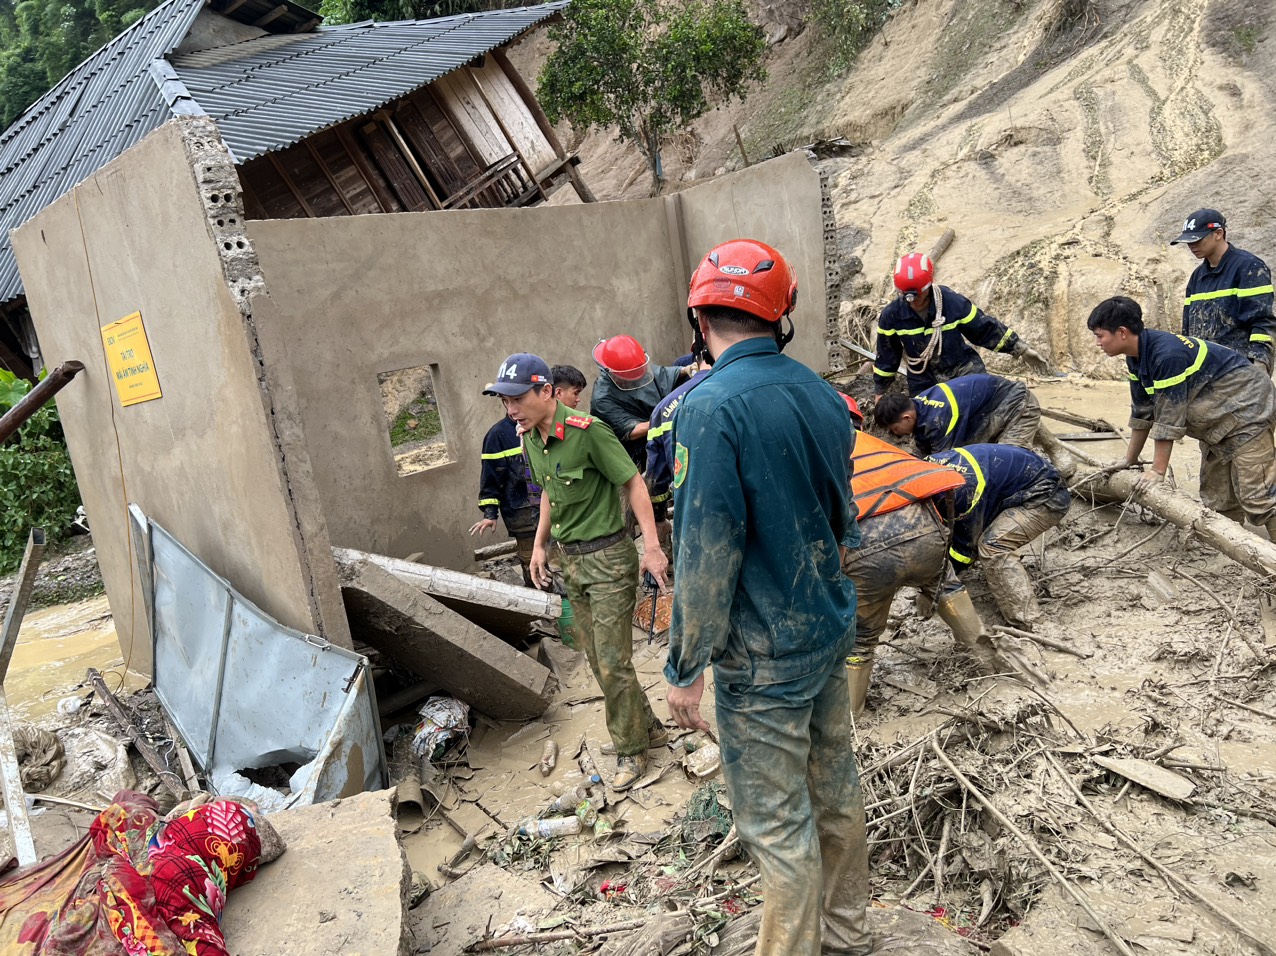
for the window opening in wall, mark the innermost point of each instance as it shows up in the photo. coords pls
(417, 438)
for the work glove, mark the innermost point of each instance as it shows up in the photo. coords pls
(1032, 358)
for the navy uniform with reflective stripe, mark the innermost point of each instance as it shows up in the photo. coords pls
(998, 478)
(953, 411)
(901, 331)
(660, 440)
(505, 484)
(1232, 305)
(1188, 386)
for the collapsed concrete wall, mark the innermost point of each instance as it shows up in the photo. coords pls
(159, 231)
(353, 298)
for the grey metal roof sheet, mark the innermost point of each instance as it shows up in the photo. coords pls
(269, 93)
(266, 93)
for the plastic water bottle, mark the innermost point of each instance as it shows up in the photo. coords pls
(550, 827)
(567, 801)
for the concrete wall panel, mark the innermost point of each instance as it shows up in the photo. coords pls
(201, 460)
(352, 297)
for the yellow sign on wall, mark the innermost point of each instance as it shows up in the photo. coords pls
(128, 354)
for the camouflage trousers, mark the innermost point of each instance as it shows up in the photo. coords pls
(1013, 422)
(1243, 486)
(795, 793)
(602, 587)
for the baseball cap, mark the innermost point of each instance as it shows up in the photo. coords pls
(1200, 224)
(518, 373)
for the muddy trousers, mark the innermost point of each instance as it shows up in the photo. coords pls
(1006, 576)
(1013, 422)
(903, 548)
(602, 588)
(795, 792)
(1243, 486)
(521, 525)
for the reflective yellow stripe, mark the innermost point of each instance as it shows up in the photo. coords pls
(508, 453)
(1133, 377)
(656, 499)
(1183, 376)
(878, 371)
(958, 556)
(660, 430)
(1004, 339)
(980, 484)
(953, 400)
(489, 501)
(1259, 337)
(1222, 293)
(930, 330)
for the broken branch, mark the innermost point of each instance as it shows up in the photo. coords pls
(1039, 639)
(525, 939)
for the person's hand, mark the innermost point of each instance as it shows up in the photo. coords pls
(654, 562)
(1148, 480)
(684, 705)
(483, 527)
(538, 569)
(1034, 360)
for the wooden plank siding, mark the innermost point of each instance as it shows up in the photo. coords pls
(466, 107)
(516, 117)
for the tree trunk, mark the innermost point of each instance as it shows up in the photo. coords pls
(1232, 539)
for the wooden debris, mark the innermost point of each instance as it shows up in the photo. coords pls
(1042, 640)
(1149, 775)
(530, 939)
(134, 736)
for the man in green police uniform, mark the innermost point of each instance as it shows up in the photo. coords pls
(580, 465)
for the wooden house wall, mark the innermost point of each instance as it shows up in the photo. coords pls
(515, 115)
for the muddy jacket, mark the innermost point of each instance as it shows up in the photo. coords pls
(1188, 386)
(762, 472)
(901, 331)
(505, 484)
(623, 410)
(951, 413)
(998, 477)
(660, 440)
(1232, 305)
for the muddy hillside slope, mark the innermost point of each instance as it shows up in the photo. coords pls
(1063, 140)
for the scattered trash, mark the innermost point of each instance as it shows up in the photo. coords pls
(70, 705)
(703, 762)
(549, 758)
(586, 813)
(567, 801)
(549, 827)
(444, 720)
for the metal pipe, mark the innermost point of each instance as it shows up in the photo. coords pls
(53, 383)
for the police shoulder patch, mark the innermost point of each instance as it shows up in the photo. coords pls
(579, 421)
(679, 464)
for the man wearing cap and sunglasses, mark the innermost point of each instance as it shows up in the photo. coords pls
(579, 466)
(1229, 296)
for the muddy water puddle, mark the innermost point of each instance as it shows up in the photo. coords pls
(55, 647)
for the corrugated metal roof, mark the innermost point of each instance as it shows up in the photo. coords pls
(269, 93)
(265, 94)
(98, 110)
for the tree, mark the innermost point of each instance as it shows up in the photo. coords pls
(649, 67)
(355, 11)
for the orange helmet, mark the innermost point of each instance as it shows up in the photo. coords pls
(856, 415)
(748, 275)
(625, 360)
(913, 274)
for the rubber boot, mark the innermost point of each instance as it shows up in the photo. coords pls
(957, 610)
(1012, 590)
(859, 671)
(1271, 529)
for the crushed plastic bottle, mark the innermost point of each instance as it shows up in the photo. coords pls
(550, 827)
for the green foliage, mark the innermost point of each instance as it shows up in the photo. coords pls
(37, 485)
(417, 422)
(649, 67)
(355, 11)
(43, 40)
(846, 26)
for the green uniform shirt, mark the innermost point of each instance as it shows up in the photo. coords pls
(580, 466)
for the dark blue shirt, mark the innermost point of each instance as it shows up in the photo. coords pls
(505, 484)
(660, 439)
(998, 477)
(622, 410)
(1232, 305)
(951, 412)
(762, 479)
(901, 331)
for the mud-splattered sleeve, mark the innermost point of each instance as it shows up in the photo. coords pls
(1141, 411)
(1254, 312)
(709, 533)
(890, 351)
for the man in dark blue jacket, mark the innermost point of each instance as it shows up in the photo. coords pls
(1011, 497)
(761, 473)
(1229, 296)
(967, 410)
(929, 327)
(1187, 386)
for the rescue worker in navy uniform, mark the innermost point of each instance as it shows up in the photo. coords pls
(929, 328)
(1229, 296)
(967, 410)
(1011, 496)
(1187, 386)
(761, 474)
(628, 390)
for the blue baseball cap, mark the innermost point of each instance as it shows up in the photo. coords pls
(1199, 225)
(518, 373)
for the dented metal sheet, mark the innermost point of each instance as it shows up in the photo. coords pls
(246, 692)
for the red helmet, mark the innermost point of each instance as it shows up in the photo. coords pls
(624, 360)
(856, 415)
(748, 275)
(913, 274)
